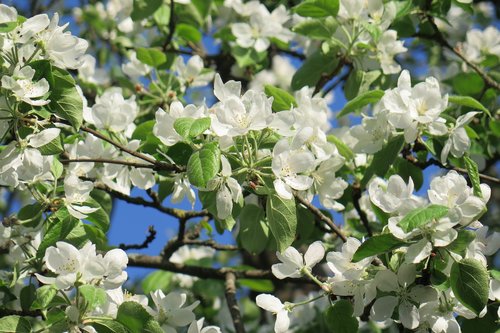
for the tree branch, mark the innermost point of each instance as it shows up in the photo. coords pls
(328, 221)
(361, 213)
(171, 26)
(140, 260)
(175, 212)
(232, 303)
(438, 37)
(149, 239)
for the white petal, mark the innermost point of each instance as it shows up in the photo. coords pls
(408, 315)
(314, 254)
(383, 308)
(269, 303)
(419, 251)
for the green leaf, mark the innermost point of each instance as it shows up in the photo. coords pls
(144, 8)
(27, 296)
(460, 244)
(282, 218)
(343, 149)
(56, 168)
(93, 296)
(65, 101)
(313, 68)
(260, 286)
(188, 32)
(254, 231)
(99, 218)
(282, 100)
(359, 82)
(473, 173)
(377, 245)
(383, 159)
(14, 324)
(103, 325)
(406, 170)
(322, 29)
(203, 165)
(190, 127)
(151, 57)
(30, 215)
(7, 26)
(339, 318)
(157, 280)
(470, 284)
(422, 216)
(136, 319)
(247, 57)
(44, 295)
(61, 226)
(369, 97)
(54, 147)
(469, 102)
(467, 84)
(317, 8)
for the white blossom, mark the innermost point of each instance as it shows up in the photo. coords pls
(273, 304)
(292, 262)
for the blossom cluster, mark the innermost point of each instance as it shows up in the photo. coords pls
(265, 158)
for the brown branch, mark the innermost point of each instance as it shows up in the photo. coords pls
(109, 161)
(326, 77)
(149, 239)
(171, 26)
(438, 37)
(322, 217)
(10, 312)
(175, 212)
(432, 161)
(141, 260)
(211, 243)
(361, 213)
(232, 303)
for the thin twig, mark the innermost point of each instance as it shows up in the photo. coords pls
(361, 213)
(149, 239)
(319, 214)
(175, 212)
(171, 26)
(438, 37)
(232, 304)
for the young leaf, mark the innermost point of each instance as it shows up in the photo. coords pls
(377, 245)
(369, 97)
(65, 101)
(254, 231)
(282, 100)
(203, 165)
(473, 173)
(343, 149)
(282, 218)
(464, 238)
(103, 325)
(421, 216)
(144, 8)
(44, 295)
(383, 159)
(322, 29)
(339, 318)
(93, 296)
(190, 127)
(151, 56)
(14, 324)
(470, 284)
(312, 69)
(317, 8)
(135, 318)
(469, 102)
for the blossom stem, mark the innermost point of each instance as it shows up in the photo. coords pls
(292, 305)
(305, 271)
